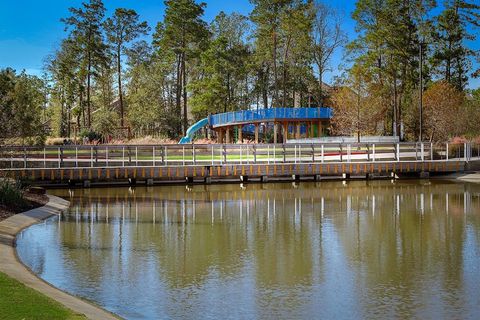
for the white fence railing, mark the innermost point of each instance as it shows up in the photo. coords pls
(72, 156)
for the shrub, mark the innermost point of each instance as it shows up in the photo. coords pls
(91, 135)
(11, 194)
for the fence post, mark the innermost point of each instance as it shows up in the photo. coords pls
(212, 154)
(24, 157)
(193, 154)
(44, 158)
(465, 151)
(341, 153)
(76, 157)
(313, 153)
(123, 156)
(295, 154)
(106, 155)
(422, 151)
(59, 157)
(398, 152)
(91, 156)
(373, 152)
(323, 154)
(136, 156)
(284, 155)
(431, 151)
(274, 154)
(224, 150)
(165, 156)
(254, 154)
(183, 156)
(446, 154)
(153, 152)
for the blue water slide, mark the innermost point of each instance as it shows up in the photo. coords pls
(191, 131)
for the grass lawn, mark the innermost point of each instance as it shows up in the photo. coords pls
(20, 302)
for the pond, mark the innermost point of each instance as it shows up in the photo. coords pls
(335, 250)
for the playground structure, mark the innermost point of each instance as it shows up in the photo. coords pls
(284, 122)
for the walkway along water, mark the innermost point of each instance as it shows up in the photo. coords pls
(224, 162)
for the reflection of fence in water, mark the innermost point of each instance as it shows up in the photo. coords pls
(295, 209)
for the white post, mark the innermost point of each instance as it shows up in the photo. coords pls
(323, 154)
(106, 155)
(446, 155)
(349, 150)
(422, 149)
(240, 154)
(153, 151)
(398, 152)
(465, 151)
(183, 155)
(123, 156)
(295, 154)
(193, 154)
(44, 158)
(300, 153)
(76, 157)
(59, 161)
(136, 156)
(91, 157)
(373, 152)
(274, 154)
(212, 154)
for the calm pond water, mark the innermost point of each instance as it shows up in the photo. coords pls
(329, 250)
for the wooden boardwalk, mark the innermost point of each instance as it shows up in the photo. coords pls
(86, 165)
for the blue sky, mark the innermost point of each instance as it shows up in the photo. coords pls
(31, 29)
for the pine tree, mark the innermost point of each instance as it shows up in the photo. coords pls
(86, 30)
(122, 28)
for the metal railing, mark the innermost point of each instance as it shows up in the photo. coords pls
(218, 154)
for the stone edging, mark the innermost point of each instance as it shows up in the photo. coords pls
(10, 264)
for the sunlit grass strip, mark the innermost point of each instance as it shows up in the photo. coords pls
(20, 302)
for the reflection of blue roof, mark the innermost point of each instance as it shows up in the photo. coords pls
(271, 114)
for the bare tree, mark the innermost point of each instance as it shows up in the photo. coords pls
(327, 36)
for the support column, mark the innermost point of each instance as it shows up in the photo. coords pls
(312, 129)
(240, 133)
(285, 132)
(320, 129)
(256, 132)
(275, 132)
(228, 140)
(220, 136)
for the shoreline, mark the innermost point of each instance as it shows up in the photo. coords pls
(11, 265)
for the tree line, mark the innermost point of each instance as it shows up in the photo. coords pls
(106, 78)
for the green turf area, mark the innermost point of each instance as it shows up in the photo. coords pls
(20, 302)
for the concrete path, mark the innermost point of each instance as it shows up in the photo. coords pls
(10, 265)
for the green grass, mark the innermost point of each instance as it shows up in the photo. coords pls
(20, 302)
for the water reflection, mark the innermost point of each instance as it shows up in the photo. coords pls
(313, 250)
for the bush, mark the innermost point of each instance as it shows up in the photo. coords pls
(11, 194)
(91, 135)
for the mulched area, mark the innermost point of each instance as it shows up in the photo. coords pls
(34, 200)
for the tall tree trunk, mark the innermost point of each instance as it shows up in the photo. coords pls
(184, 78)
(265, 88)
(89, 120)
(275, 71)
(120, 93)
(178, 94)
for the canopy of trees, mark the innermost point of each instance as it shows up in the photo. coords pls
(109, 76)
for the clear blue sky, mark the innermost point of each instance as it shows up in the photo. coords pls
(31, 29)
